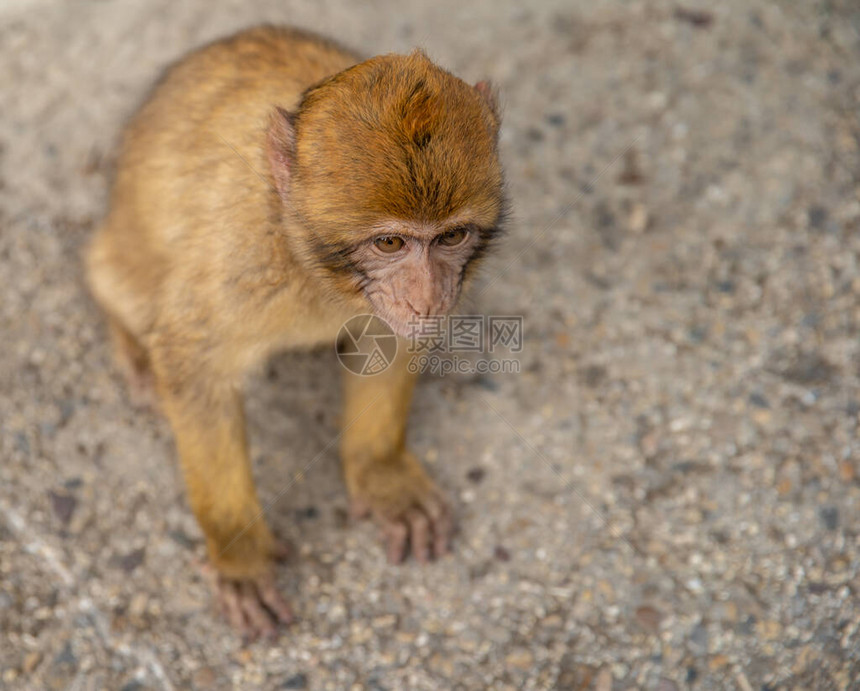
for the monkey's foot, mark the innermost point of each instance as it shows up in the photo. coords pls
(409, 509)
(253, 606)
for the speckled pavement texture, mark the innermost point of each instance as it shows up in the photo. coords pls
(666, 496)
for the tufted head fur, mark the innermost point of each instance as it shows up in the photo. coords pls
(393, 140)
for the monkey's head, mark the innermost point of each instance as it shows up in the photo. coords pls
(391, 175)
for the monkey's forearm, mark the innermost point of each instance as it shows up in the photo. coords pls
(384, 479)
(375, 412)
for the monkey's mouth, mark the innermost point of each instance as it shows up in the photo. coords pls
(407, 323)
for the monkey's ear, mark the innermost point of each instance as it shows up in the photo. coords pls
(489, 95)
(281, 148)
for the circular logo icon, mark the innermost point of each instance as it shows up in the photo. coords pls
(366, 345)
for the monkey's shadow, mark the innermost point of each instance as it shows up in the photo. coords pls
(292, 410)
(293, 415)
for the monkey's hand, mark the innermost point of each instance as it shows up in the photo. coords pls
(407, 505)
(252, 605)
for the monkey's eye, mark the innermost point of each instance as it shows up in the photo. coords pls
(389, 243)
(453, 237)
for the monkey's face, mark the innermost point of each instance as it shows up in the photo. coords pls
(412, 271)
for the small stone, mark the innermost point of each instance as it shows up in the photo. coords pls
(846, 471)
(442, 664)
(650, 444)
(802, 658)
(809, 369)
(132, 560)
(31, 661)
(594, 375)
(697, 334)
(297, 681)
(603, 682)
(747, 626)
(553, 621)
(727, 611)
(520, 659)
(817, 216)
(762, 416)
(62, 670)
(769, 629)
(475, 475)
(717, 662)
(386, 621)
(574, 675)
(743, 682)
(534, 134)
(759, 401)
(700, 19)
(501, 553)
(829, 516)
(648, 618)
(307, 514)
(63, 505)
(486, 383)
(181, 539)
(698, 639)
(631, 174)
(204, 678)
(66, 656)
(637, 222)
(137, 606)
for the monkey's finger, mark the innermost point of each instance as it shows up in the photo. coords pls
(419, 526)
(217, 590)
(258, 619)
(230, 599)
(274, 601)
(442, 526)
(396, 536)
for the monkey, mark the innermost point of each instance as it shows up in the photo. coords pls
(272, 185)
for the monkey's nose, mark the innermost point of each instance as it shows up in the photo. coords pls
(421, 307)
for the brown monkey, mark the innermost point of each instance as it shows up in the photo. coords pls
(269, 189)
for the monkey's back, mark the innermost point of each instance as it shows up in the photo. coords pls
(193, 208)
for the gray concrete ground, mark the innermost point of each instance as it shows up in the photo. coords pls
(665, 497)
